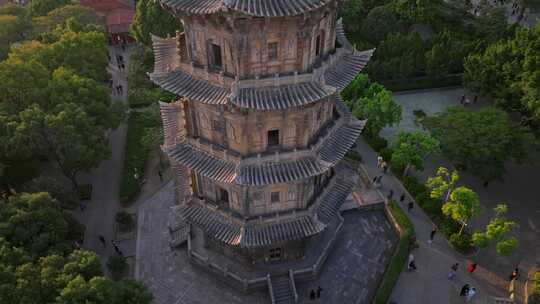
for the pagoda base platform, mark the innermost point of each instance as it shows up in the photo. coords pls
(350, 274)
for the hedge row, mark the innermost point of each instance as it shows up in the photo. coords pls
(398, 260)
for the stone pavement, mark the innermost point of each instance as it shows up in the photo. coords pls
(357, 261)
(519, 190)
(98, 217)
(430, 283)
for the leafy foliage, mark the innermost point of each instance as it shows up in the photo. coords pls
(482, 141)
(150, 18)
(373, 102)
(410, 149)
(496, 231)
(36, 223)
(442, 184)
(508, 70)
(446, 54)
(380, 22)
(42, 7)
(462, 206)
(398, 56)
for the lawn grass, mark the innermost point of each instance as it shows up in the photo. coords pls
(140, 125)
(398, 260)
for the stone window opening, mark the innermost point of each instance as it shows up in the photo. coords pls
(216, 56)
(275, 253)
(217, 125)
(273, 138)
(223, 196)
(273, 51)
(292, 195)
(274, 197)
(318, 45)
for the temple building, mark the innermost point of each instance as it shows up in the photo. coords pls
(258, 130)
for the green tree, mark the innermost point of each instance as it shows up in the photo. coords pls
(12, 29)
(480, 141)
(380, 21)
(150, 18)
(399, 56)
(36, 223)
(42, 7)
(497, 231)
(417, 11)
(462, 206)
(410, 149)
(379, 108)
(353, 12)
(508, 71)
(447, 53)
(75, 17)
(442, 184)
(68, 136)
(117, 266)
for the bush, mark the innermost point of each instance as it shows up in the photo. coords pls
(140, 124)
(462, 242)
(534, 296)
(85, 192)
(376, 142)
(354, 156)
(398, 260)
(117, 265)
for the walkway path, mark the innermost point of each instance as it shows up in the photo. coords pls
(98, 217)
(430, 283)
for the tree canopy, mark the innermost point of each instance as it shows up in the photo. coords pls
(509, 71)
(497, 231)
(150, 18)
(379, 22)
(410, 149)
(480, 141)
(462, 205)
(373, 102)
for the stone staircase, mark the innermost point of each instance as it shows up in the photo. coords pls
(282, 291)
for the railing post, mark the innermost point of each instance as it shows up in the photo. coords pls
(270, 289)
(293, 285)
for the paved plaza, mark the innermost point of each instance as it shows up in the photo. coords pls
(357, 261)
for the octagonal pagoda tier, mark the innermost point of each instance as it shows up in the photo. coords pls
(258, 128)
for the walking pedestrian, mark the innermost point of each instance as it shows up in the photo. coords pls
(123, 66)
(470, 294)
(514, 274)
(412, 263)
(379, 179)
(312, 295)
(102, 240)
(319, 290)
(384, 167)
(82, 206)
(472, 267)
(402, 198)
(462, 99)
(410, 206)
(432, 234)
(475, 100)
(390, 194)
(374, 180)
(121, 89)
(160, 175)
(379, 161)
(453, 270)
(464, 290)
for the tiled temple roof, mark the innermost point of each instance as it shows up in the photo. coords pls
(346, 69)
(181, 83)
(256, 233)
(333, 198)
(315, 162)
(168, 75)
(173, 133)
(281, 97)
(245, 234)
(259, 8)
(204, 163)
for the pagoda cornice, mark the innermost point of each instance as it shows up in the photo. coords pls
(257, 8)
(223, 165)
(261, 93)
(266, 231)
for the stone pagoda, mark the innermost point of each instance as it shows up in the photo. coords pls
(258, 128)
